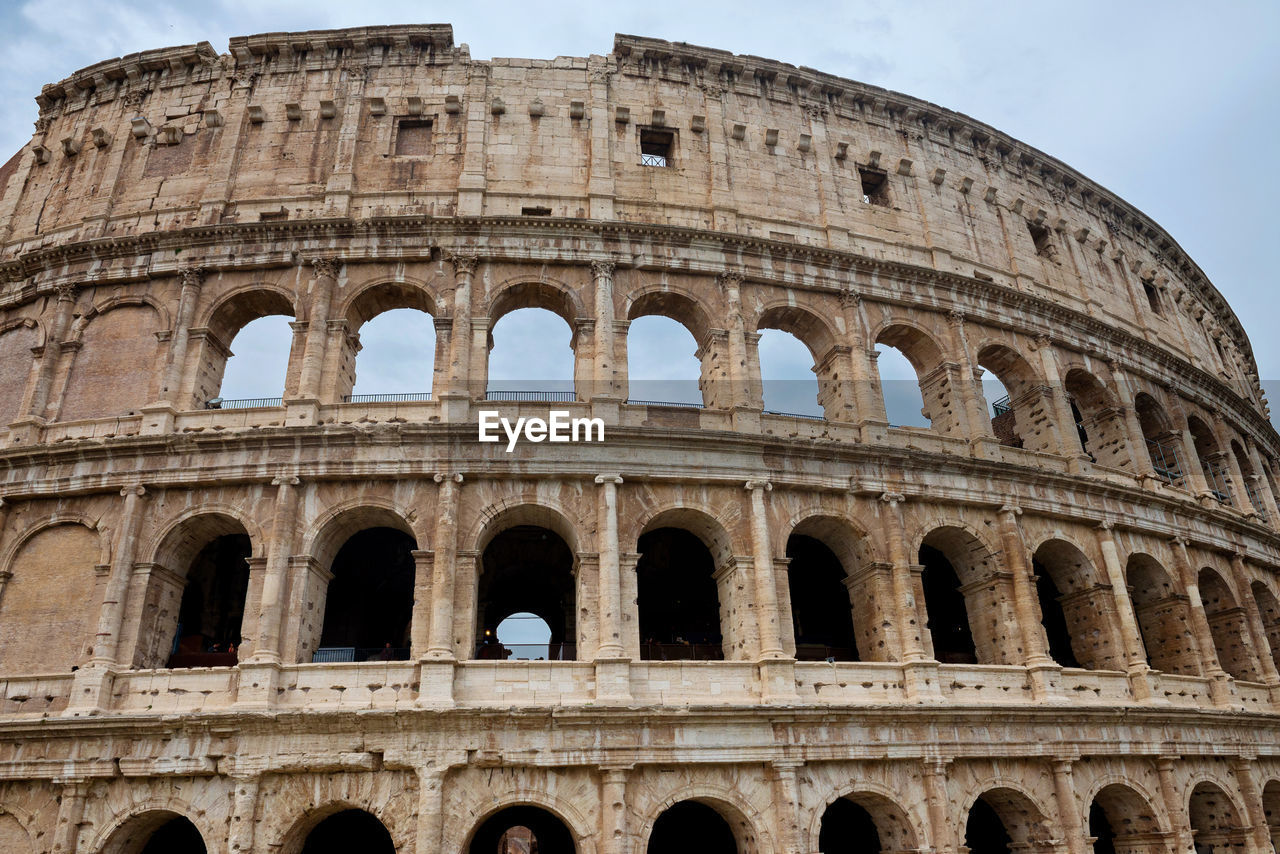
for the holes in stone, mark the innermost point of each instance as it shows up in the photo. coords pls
(1153, 298)
(535, 211)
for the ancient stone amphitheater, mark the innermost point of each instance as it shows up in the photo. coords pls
(265, 625)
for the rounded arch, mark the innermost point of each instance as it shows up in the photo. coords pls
(327, 534)
(562, 809)
(1023, 418)
(1075, 601)
(25, 323)
(294, 840)
(1214, 815)
(1067, 562)
(746, 822)
(1152, 416)
(1015, 373)
(897, 827)
(1024, 818)
(553, 295)
(175, 543)
(510, 513)
(1127, 806)
(53, 520)
(850, 542)
(810, 328)
(1164, 619)
(367, 300)
(711, 530)
(1269, 611)
(970, 550)
(129, 832)
(112, 303)
(233, 310)
(678, 304)
(914, 342)
(1228, 625)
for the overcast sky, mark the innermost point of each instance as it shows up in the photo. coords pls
(1171, 105)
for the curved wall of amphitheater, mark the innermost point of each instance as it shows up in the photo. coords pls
(1062, 624)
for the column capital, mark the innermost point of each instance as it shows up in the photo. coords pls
(731, 278)
(464, 263)
(955, 318)
(603, 269)
(66, 291)
(1012, 509)
(325, 268)
(1041, 341)
(1106, 525)
(134, 489)
(286, 480)
(611, 478)
(892, 498)
(753, 485)
(192, 277)
(1179, 540)
(850, 299)
(439, 477)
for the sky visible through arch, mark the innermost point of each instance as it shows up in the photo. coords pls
(1171, 105)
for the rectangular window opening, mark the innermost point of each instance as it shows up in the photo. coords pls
(1153, 297)
(656, 147)
(1040, 237)
(875, 187)
(413, 138)
(536, 211)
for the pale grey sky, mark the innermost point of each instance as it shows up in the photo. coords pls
(1172, 105)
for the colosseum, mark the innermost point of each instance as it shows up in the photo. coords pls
(1047, 623)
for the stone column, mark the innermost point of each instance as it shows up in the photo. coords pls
(604, 393)
(1239, 493)
(1219, 686)
(786, 801)
(1259, 830)
(1264, 486)
(437, 665)
(744, 392)
(70, 813)
(1137, 439)
(423, 578)
(1131, 635)
(610, 606)
(244, 808)
(777, 670)
(1175, 804)
(170, 393)
(431, 816)
(935, 791)
(970, 382)
(1253, 617)
(920, 672)
(1064, 791)
(615, 836)
(456, 399)
(627, 562)
(1043, 669)
(111, 617)
(1193, 468)
(271, 609)
(1061, 406)
(50, 351)
(868, 405)
(322, 283)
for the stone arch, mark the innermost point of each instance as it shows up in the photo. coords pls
(1164, 443)
(933, 373)
(14, 834)
(1164, 616)
(54, 587)
(295, 838)
(1251, 485)
(833, 593)
(1271, 808)
(1077, 607)
(113, 370)
(18, 338)
(703, 524)
(130, 833)
(898, 831)
(749, 830)
(689, 313)
(1024, 419)
(369, 300)
(327, 533)
(684, 307)
(830, 369)
(1215, 819)
(563, 809)
(1228, 626)
(553, 295)
(366, 300)
(968, 601)
(812, 330)
(222, 321)
(215, 544)
(1127, 812)
(1099, 425)
(1212, 459)
(1023, 819)
(1269, 611)
(543, 512)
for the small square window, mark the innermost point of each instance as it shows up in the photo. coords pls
(413, 138)
(875, 187)
(1153, 297)
(656, 147)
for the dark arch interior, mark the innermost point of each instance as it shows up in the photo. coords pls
(347, 831)
(948, 619)
(691, 827)
(176, 836)
(846, 826)
(821, 613)
(505, 833)
(985, 833)
(527, 569)
(212, 606)
(370, 601)
(1104, 836)
(677, 597)
(1053, 618)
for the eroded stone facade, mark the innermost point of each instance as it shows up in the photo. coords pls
(168, 198)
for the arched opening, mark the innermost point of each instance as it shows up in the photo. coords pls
(867, 823)
(1003, 820)
(246, 353)
(396, 360)
(1076, 608)
(1228, 627)
(157, 832)
(1020, 413)
(1215, 825)
(1099, 425)
(525, 637)
(662, 363)
(1121, 821)
(1164, 444)
(1271, 809)
(212, 609)
(692, 826)
(786, 375)
(114, 373)
(678, 598)
(1269, 609)
(532, 344)
(369, 605)
(527, 570)
(821, 611)
(522, 830)
(959, 581)
(1212, 461)
(1164, 618)
(1252, 482)
(347, 831)
(925, 374)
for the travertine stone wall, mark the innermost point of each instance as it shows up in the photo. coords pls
(171, 197)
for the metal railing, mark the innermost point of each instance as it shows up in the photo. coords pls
(652, 160)
(1001, 406)
(1255, 498)
(534, 396)
(495, 651)
(337, 654)
(399, 397)
(681, 652)
(796, 415)
(1166, 462)
(1217, 480)
(678, 403)
(243, 403)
